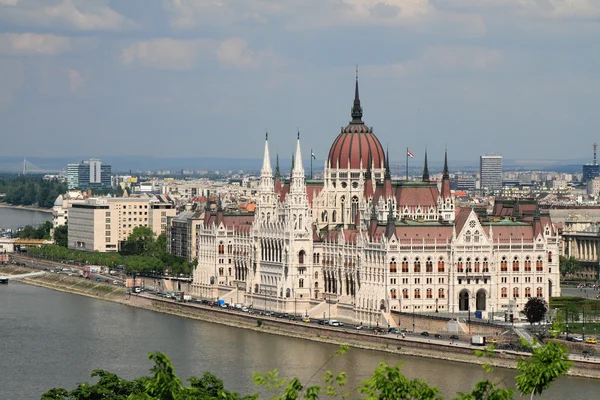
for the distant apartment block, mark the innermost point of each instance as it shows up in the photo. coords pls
(103, 224)
(490, 172)
(89, 174)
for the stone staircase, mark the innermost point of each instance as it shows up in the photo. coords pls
(321, 309)
(388, 320)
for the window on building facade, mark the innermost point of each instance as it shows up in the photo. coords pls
(221, 270)
(441, 293)
(504, 292)
(528, 292)
(405, 265)
(539, 292)
(486, 266)
(539, 266)
(468, 265)
(459, 265)
(515, 293)
(429, 293)
(503, 265)
(393, 293)
(441, 265)
(393, 269)
(417, 268)
(476, 265)
(429, 266)
(301, 257)
(515, 264)
(301, 283)
(527, 264)
(549, 256)
(417, 293)
(405, 293)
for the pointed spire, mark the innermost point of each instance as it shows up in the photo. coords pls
(445, 174)
(266, 168)
(356, 108)
(425, 169)
(369, 162)
(277, 172)
(298, 158)
(388, 173)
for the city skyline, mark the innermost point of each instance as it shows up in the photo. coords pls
(196, 79)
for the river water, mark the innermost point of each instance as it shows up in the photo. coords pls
(12, 218)
(54, 339)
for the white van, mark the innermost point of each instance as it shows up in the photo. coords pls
(333, 322)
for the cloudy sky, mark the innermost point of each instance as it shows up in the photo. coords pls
(197, 78)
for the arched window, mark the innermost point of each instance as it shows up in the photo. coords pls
(417, 293)
(503, 264)
(549, 256)
(527, 264)
(504, 293)
(539, 264)
(221, 271)
(516, 264)
(405, 265)
(429, 293)
(539, 292)
(393, 293)
(441, 293)
(393, 266)
(324, 216)
(405, 293)
(300, 222)
(486, 266)
(354, 207)
(317, 275)
(441, 265)
(429, 265)
(301, 255)
(477, 264)
(334, 216)
(468, 265)
(300, 283)
(476, 237)
(515, 292)
(459, 265)
(468, 237)
(527, 292)
(417, 268)
(221, 248)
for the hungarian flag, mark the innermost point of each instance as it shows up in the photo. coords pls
(411, 155)
(313, 156)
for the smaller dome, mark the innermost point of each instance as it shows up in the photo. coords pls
(59, 201)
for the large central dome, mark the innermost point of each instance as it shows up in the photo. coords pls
(356, 144)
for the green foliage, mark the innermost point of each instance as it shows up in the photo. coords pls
(61, 236)
(487, 390)
(27, 190)
(388, 383)
(41, 232)
(559, 321)
(568, 265)
(546, 364)
(535, 309)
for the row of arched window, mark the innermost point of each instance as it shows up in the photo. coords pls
(516, 264)
(515, 292)
(417, 293)
(441, 265)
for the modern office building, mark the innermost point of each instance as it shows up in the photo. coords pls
(590, 171)
(490, 172)
(89, 174)
(102, 224)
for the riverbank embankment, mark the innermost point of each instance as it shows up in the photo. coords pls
(450, 351)
(30, 208)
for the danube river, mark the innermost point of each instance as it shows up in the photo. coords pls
(55, 339)
(13, 218)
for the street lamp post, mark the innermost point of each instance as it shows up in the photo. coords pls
(583, 327)
(436, 305)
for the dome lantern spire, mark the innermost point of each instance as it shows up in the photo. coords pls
(356, 108)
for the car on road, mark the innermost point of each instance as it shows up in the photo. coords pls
(591, 341)
(424, 333)
(322, 322)
(454, 337)
(492, 341)
(438, 336)
(358, 327)
(305, 319)
(115, 282)
(577, 339)
(394, 331)
(334, 322)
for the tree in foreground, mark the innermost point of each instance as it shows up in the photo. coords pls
(535, 309)
(568, 265)
(548, 362)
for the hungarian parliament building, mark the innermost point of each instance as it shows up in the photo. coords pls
(358, 246)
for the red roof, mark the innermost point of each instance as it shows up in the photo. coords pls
(354, 144)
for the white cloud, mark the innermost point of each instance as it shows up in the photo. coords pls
(34, 44)
(170, 54)
(86, 15)
(75, 80)
(235, 53)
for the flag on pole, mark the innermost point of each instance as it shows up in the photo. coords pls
(411, 155)
(313, 156)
